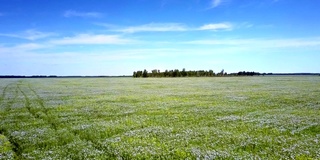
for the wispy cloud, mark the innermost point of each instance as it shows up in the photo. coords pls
(29, 46)
(263, 43)
(30, 34)
(21, 48)
(168, 27)
(91, 39)
(153, 27)
(216, 26)
(215, 3)
(72, 13)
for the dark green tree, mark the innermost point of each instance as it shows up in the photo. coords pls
(134, 74)
(145, 73)
(154, 73)
(211, 74)
(183, 72)
(176, 73)
(166, 73)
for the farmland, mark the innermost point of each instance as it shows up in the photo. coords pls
(270, 117)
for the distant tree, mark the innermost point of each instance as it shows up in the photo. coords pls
(183, 72)
(176, 73)
(211, 74)
(198, 73)
(244, 73)
(134, 74)
(138, 74)
(171, 73)
(201, 73)
(221, 73)
(166, 73)
(145, 73)
(154, 73)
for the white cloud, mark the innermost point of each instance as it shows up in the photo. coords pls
(263, 43)
(169, 27)
(71, 13)
(215, 3)
(216, 26)
(30, 34)
(21, 48)
(91, 39)
(295, 42)
(153, 27)
(29, 46)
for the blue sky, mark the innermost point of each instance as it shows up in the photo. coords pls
(117, 37)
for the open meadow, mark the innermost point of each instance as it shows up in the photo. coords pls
(259, 117)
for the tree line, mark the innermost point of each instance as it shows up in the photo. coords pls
(184, 73)
(174, 73)
(244, 73)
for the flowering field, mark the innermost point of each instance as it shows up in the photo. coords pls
(271, 117)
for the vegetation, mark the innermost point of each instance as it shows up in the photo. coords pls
(270, 117)
(176, 73)
(184, 73)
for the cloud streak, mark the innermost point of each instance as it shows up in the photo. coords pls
(30, 34)
(215, 3)
(170, 27)
(21, 48)
(153, 27)
(264, 43)
(72, 13)
(87, 39)
(216, 26)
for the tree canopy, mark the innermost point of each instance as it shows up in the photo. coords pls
(185, 73)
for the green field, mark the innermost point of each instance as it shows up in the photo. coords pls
(270, 117)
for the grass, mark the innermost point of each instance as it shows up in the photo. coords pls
(272, 117)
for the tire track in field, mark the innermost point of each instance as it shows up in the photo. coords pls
(43, 109)
(29, 92)
(13, 100)
(27, 103)
(16, 148)
(4, 93)
(39, 100)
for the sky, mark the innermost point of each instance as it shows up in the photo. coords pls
(117, 37)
